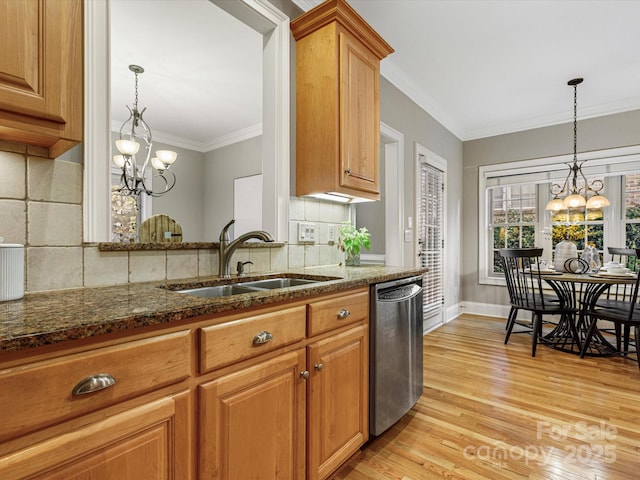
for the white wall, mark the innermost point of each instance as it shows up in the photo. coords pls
(372, 215)
(593, 134)
(184, 202)
(221, 167)
(403, 115)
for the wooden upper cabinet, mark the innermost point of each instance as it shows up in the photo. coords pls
(41, 73)
(337, 102)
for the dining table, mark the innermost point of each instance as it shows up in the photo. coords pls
(581, 291)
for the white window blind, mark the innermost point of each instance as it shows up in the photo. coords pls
(546, 170)
(607, 164)
(431, 237)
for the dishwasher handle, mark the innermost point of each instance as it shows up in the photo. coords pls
(398, 294)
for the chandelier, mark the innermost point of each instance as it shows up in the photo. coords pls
(136, 178)
(574, 196)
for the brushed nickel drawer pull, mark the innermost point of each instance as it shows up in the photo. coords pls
(262, 337)
(304, 375)
(344, 313)
(94, 383)
(319, 366)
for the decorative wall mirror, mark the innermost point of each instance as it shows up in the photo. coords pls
(261, 16)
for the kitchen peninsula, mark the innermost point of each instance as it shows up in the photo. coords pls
(179, 386)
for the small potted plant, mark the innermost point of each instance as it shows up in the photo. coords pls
(351, 240)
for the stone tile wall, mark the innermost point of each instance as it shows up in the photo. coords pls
(41, 208)
(323, 215)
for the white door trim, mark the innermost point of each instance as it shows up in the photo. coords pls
(260, 15)
(424, 155)
(393, 141)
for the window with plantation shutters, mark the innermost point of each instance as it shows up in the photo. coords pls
(431, 239)
(513, 196)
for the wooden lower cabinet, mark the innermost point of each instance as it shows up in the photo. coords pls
(292, 408)
(252, 422)
(146, 442)
(338, 411)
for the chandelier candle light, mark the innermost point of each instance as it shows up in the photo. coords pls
(133, 132)
(573, 198)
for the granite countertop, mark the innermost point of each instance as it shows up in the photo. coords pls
(46, 318)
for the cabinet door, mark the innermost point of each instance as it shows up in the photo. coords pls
(148, 442)
(359, 116)
(252, 422)
(338, 423)
(41, 72)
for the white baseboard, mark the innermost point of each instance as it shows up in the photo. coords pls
(452, 312)
(491, 310)
(485, 309)
(477, 308)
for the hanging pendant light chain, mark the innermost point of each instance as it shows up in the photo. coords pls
(570, 188)
(135, 101)
(575, 122)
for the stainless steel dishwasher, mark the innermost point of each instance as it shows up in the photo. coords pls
(395, 371)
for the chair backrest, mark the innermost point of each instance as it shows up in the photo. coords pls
(523, 282)
(633, 299)
(631, 304)
(628, 257)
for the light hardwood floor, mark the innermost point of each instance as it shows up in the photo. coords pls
(491, 411)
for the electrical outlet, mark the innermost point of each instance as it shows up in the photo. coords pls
(331, 234)
(306, 232)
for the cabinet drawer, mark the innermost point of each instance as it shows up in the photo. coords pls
(338, 311)
(237, 340)
(39, 394)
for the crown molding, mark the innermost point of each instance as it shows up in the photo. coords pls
(203, 147)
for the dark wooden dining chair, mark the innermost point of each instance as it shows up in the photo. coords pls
(627, 257)
(618, 295)
(625, 315)
(525, 286)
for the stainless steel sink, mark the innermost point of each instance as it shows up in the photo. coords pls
(217, 291)
(271, 283)
(250, 286)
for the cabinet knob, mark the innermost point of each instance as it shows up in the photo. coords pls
(262, 337)
(344, 313)
(319, 366)
(347, 171)
(94, 383)
(305, 374)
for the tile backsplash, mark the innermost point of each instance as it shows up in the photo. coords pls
(41, 208)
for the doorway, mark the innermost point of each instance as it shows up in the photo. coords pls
(431, 194)
(384, 218)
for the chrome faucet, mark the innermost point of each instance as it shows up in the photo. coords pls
(227, 248)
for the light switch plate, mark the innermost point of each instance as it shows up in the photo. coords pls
(306, 232)
(331, 234)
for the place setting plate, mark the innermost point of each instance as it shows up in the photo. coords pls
(543, 271)
(614, 275)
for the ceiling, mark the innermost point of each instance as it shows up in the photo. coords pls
(479, 67)
(202, 84)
